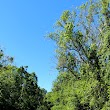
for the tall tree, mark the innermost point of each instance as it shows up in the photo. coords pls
(82, 37)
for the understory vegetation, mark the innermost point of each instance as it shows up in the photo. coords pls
(82, 37)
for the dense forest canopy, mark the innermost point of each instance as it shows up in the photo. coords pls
(82, 37)
(18, 88)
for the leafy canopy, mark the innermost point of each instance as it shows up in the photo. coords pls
(83, 52)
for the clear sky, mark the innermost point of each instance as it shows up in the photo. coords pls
(23, 25)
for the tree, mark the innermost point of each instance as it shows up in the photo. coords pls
(18, 88)
(82, 39)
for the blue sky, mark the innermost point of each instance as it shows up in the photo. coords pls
(23, 25)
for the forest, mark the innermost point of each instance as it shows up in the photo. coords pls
(82, 37)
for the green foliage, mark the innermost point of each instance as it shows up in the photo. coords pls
(18, 88)
(83, 53)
